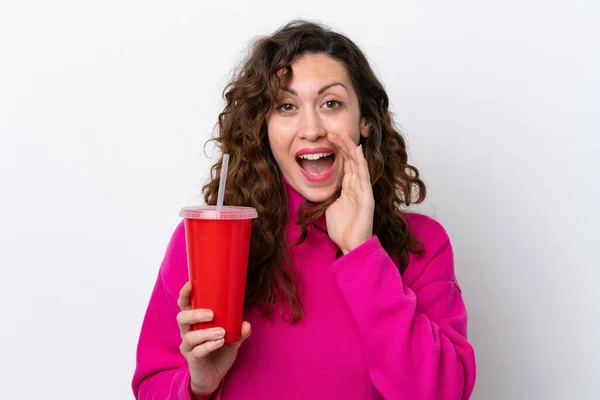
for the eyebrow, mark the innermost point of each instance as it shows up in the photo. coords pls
(324, 88)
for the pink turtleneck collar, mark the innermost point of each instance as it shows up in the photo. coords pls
(295, 200)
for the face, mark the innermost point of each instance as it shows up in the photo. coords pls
(319, 100)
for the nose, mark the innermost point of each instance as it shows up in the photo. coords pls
(311, 126)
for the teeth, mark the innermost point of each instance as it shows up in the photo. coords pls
(315, 156)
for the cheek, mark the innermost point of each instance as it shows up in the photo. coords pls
(346, 123)
(279, 133)
(279, 139)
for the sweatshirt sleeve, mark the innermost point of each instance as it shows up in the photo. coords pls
(414, 336)
(161, 370)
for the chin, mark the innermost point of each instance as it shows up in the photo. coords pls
(316, 194)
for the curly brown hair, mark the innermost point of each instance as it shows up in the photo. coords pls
(254, 178)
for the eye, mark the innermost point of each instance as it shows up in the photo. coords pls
(332, 104)
(286, 107)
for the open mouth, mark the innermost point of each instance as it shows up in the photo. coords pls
(316, 167)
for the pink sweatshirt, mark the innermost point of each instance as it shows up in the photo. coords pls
(366, 333)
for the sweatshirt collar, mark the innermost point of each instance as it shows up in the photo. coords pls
(295, 200)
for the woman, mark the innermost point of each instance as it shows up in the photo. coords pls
(348, 297)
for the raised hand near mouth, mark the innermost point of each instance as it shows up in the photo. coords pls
(350, 217)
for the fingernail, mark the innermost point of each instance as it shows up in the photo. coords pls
(220, 332)
(219, 342)
(207, 315)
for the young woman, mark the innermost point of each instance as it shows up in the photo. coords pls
(349, 296)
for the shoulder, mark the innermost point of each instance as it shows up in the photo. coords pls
(176, 243)
(428, 230)
(174, 269)
(436, 262)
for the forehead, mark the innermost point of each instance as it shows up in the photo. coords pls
(318, 69)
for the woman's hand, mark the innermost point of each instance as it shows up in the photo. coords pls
(207, 356)
(350, 217)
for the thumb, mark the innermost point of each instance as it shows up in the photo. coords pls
(246, 331)
(229, 354)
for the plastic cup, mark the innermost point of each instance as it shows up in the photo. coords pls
(218, 243)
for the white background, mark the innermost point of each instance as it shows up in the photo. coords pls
(105, 106)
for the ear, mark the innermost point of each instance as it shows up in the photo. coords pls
(365, 127)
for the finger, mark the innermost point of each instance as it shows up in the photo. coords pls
(338, 140)
(350, 151)
(354, 185)
(347, 184)
(193, 339)
(347, 149)
(184, 297)
(352, 168)
(246, 331)
(348, 144)
(206, 348)
(348, 168)
(363, 169)
(185, 319)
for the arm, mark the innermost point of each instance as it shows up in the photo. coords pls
(415, 339)
(161, 371)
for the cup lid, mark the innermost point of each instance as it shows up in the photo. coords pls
(225, 212)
